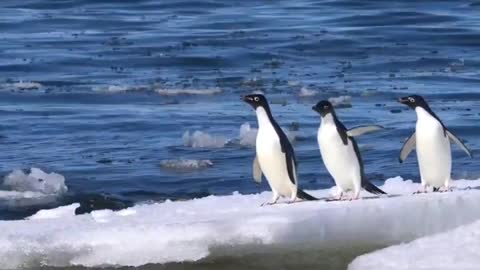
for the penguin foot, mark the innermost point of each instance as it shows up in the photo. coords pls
(445, 189)
(268, 203)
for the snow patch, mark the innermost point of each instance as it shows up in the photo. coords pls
(59, 212)
(232, 225)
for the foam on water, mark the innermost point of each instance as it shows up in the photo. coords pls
(229, 226)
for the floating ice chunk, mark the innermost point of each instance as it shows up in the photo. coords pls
(235, 225)
(36, 181)
(248, 135)
(178, 92)
(200, 139)
(21, 85)
(186, 164)
(454, 249)
(120, 88)
(341, 101)
(59, 212)
(305, 92)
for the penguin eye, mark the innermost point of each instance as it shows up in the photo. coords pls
(411, 99)
(256, 99)
(325, 106)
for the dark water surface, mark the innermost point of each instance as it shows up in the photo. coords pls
(96, 109)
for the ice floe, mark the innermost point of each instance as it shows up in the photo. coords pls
(178, 92)
(341, 101)
(305, 92)
(230, 226)
(186, 164)
(200, 139)
(33, 188)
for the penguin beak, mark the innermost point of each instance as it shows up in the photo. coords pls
(315, 108)
(403, 100)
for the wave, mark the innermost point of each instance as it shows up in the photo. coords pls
(219, 226)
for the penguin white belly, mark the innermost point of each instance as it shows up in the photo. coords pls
(272, 162)
(339, 159)
(433, 152)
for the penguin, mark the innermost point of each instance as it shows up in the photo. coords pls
(340, 152)
(432, 141)
(275, 157)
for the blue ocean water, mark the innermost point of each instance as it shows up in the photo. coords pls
(96, 90)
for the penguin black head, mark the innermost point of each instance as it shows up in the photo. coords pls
(414, 101)
(256, 100)
(323, 107)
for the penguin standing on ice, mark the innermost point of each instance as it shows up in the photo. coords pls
(432, 140)
(275, 157)
(340, 152)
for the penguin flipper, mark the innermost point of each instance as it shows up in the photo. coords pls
(257, 171)
(459, 143)
(407, 147)
(360, 130)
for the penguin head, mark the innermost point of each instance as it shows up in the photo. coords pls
(256, 100)
(323, 107)
(414, 101)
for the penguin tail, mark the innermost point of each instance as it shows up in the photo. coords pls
(372, 188)
(305, 196)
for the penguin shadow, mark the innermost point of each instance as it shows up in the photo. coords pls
(330, 199)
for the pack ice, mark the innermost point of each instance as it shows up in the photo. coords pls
(230, 225)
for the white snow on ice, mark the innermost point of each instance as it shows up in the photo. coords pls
(454, 249)
(230, 225)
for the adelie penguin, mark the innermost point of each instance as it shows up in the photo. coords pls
(340, 152)
(432, 140)
(275, 156)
